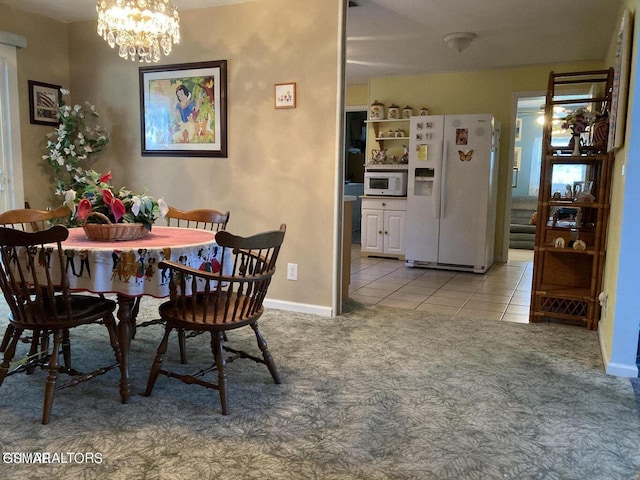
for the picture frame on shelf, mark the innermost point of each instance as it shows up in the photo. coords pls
(43, 103)
(285, 95)
(183, 109)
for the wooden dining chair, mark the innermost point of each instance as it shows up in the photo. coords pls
(202, 218)
(217, 303)
(36, 288)
(31, 220)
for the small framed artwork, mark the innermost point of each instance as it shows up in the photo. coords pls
(285, 95)
(517, 157)
(518, 136)
(184, 109)
(43, 103)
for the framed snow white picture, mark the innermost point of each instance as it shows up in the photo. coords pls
(184, 109)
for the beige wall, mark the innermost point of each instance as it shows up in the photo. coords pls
(482, 91)
(608, 320)
(281, 165)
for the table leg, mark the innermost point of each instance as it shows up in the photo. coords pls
(125, 319)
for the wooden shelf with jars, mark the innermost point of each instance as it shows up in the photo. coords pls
(573, 201)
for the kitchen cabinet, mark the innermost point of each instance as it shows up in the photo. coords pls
(573, 205)
(383, 226)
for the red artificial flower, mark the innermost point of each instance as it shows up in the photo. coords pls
(118, 209)
(107, 196)
(105, 178)
(84, 209)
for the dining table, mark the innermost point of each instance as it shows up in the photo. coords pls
(129, 269)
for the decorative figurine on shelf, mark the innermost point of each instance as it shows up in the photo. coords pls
(558, 242)
(378, 156)
(405, 155)
(579, 245)
(569, 192)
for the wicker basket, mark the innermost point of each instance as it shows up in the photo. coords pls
(111, 232)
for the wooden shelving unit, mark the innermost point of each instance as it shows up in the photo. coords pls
(571, 228)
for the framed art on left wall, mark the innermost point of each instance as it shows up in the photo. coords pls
(43, 103)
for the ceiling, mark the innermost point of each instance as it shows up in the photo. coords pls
(403, 37)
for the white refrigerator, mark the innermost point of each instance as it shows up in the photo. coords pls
(452, 191)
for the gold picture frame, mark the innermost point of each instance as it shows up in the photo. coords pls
(285, 95)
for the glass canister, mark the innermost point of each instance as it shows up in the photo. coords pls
(393, 113)
(407, 112)
(377, 111)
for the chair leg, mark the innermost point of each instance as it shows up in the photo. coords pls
(50, 388)
(157, 363)
(9, 352)
(110, 323)
(266, 354)
(134, 315)
(33, 350)
(217, 339)
(183, 345)
(7, 337)
(66, 348)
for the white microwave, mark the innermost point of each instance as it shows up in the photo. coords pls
(380, 182)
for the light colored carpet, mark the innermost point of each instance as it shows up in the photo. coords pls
(374, 394)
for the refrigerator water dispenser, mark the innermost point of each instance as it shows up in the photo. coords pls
(423, 185)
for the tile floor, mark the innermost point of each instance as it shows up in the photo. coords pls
(503, 293)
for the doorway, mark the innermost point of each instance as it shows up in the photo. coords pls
(355, 140)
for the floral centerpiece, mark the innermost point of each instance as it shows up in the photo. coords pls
(99, 197)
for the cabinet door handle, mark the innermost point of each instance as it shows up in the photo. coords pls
(379, 232)
(384, 204)
(386, 233)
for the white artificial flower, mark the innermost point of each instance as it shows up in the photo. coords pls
(163, 207)
(135, 209)
(69, 199)
(64, 91)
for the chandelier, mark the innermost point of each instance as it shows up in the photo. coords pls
(140, 28)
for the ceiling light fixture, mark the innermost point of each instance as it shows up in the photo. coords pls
(459, 41)
(140, 28)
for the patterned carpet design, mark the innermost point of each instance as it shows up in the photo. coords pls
(374, 394)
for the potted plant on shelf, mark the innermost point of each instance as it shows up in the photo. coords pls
(578, 121)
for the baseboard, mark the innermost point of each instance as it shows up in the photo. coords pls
(615, 368)
(299, 307)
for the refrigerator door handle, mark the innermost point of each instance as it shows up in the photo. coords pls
(443, 179)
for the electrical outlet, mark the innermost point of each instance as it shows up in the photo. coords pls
(292, 271)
